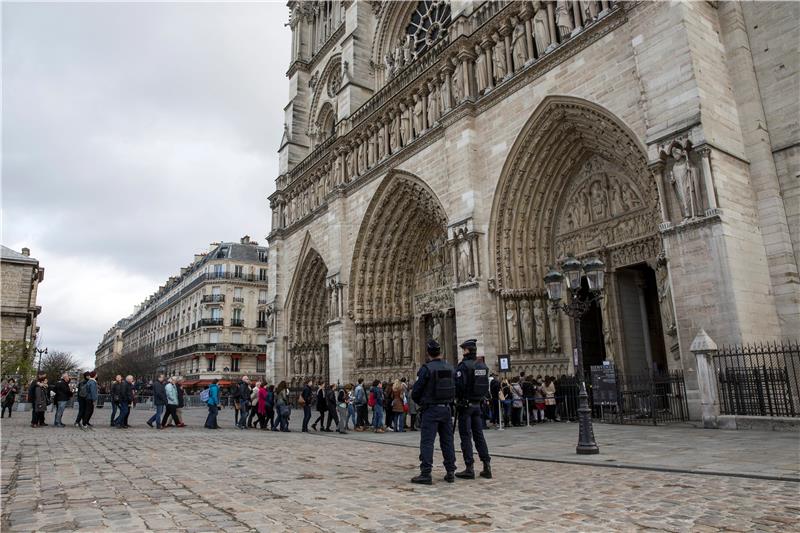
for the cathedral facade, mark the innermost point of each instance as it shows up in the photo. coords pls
(439, 156)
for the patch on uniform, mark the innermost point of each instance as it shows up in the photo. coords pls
(458, 374)
(479, 371)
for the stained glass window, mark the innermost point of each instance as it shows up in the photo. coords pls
(428, 23)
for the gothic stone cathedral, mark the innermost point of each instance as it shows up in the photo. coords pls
(439, 155)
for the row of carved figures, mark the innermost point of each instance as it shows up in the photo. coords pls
(379, 345)
(529, 325)
(475, 69)
(308, 361)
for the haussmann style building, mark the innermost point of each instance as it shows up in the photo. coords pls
(210, 321)
(439, 156)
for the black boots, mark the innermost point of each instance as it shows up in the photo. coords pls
(450, 477)
(422, 479)
(487, 471)
(467, 473)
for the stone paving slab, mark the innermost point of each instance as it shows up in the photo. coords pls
(192, 479)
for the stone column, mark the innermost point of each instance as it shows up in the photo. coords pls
(505, 31)
(704, 348)
(487, 45)
(708, 182)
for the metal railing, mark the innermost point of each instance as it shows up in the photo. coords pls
(238, 299)
(213, 298)
(759, 379)
(211, 322)
(237, 322)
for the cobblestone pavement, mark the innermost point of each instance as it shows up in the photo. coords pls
(192, 479)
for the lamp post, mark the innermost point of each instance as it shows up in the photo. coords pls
(39, 364)
(575, 307)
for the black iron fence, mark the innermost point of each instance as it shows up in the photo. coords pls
(656, 398)
(759, 379)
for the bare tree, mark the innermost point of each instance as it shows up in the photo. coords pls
(56, 362)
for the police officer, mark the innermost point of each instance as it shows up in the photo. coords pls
(434, 391)
(472, 387)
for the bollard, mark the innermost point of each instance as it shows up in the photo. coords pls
(500, 413)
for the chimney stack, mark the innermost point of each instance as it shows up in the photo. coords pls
(26, 252)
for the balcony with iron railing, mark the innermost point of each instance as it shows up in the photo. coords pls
(213, 298)
(204, 322)
(238, 299)
(214, 348)
(237, 322)
(261, 323)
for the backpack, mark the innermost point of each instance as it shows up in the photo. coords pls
(82, 389)
(204, 395)
(371, 401)
(237, 394)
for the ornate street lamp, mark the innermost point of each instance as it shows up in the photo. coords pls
(575, 308)
(39, 365)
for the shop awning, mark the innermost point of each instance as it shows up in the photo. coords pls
(190, 383)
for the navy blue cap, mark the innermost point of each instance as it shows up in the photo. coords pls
(433, 347)
(470, 344)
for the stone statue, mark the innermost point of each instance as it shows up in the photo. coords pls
(394, 134)
(512, 325)
(433, 103)
(360, 355)
(362, 158)
(381, 141)
(405, 124)
(564, 18)
(683, 177)
(371, 150)
(526, 321)
(555, 342)
(608, 330)
(538, 320)
(319, 363)
(499, 59)
(407, 350)
(480, 69)
(458, 86)
(464, 270)
(379, 347)
(408, 49)
(388, 62)
(617, 206)
(519, 51)
(541, 28)
(589, 10)
(398, 345)
(349, 166)
(665, 299)
(418, 119)
(436, 332)
(599, 201)
(370, 347)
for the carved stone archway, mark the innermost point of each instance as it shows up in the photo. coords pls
(401, 277)
(576, 182)
(308, 317)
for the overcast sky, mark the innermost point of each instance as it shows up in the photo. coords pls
(133, 136)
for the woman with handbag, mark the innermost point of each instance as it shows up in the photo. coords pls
(516, 402)
(341, 410)
(261, 405)
(550, 398)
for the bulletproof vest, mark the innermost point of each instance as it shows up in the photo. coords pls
(477, 380)
(441, 387)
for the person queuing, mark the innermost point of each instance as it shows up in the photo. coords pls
(472, 386)
(305, 401)
(9, 396)
(63, 394)
(40, 401)
(171, 389)
(159, 400)
(212, 402)
(360, 403)
(322, 408)
(32, 399)
(116, 398)
(244, 402)
(91, 396)
(282, 403)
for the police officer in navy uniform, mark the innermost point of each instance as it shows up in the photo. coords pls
(472, 388)
(434, 391)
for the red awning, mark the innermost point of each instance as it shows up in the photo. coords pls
(261, 357)
(211, 356)
(224, 383)
(190, 383)
(236, 356)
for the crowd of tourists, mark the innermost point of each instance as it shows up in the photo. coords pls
(376, 406)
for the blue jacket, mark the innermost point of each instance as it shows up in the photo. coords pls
(213, 394)
(91, 390)
(172, 394)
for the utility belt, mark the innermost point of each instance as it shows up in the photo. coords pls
(429, 405)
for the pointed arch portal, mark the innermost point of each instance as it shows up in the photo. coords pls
(401, 278)
(576, 182)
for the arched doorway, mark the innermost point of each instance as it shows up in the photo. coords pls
(401, 274)
(577, 183)
(308, 318)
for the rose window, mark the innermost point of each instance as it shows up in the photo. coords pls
(428, 23)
